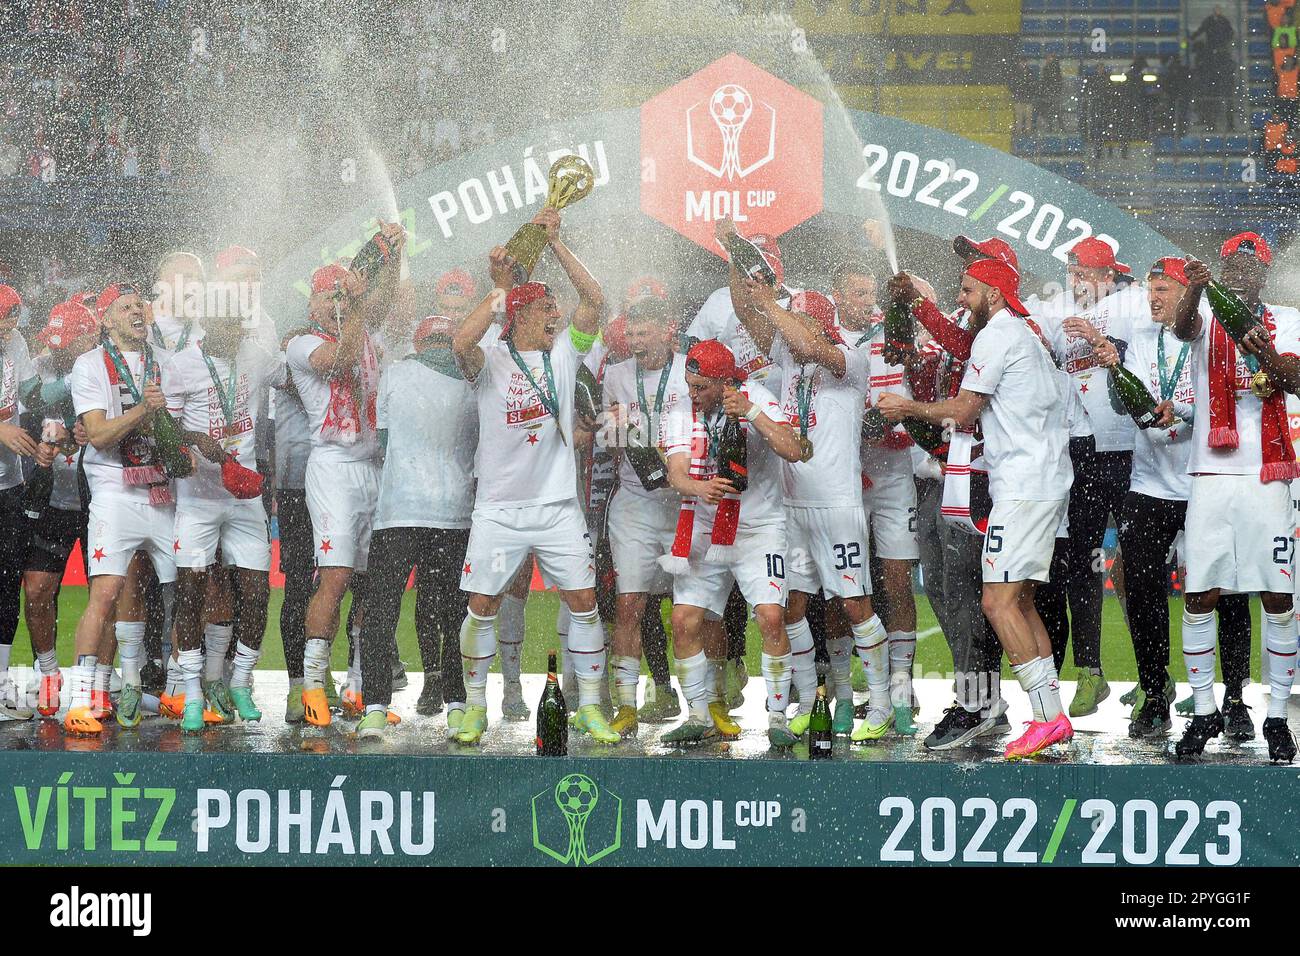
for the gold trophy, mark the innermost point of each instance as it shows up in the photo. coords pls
(571, 179)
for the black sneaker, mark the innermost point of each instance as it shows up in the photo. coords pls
(1152, 720)
(1281, 742)
(1236, 720)
(153, 678)
(996, 727)
(959, 726)
(1200, 729)
(430, 702)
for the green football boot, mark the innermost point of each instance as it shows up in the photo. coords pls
(293, 709)
(779, 734)
(664, 707)
(1091, 690)
(903, 725)
(624, 722)
(217, 695)
(192, 719)
(842, 722)
(242, 698)
(372, 725)
(331, 692)
(472, 725)
(1130, 697)
(590, 720)
(874, 726)
(128, 706)
(691, 732)
(455, 717)
(735, 679)
(799, 723)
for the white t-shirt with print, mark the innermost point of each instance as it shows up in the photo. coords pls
(91, 389)
(621, 389)
(314, 390)
(1160, 454)
(16, 368)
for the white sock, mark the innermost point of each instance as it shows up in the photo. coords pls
(354, 658)
(478, 645)
(803, 666)
(566, 657)
(316, 662)
(48, 661)
(175, 679)
(510, 636)
(103, 676)
(5, 651)
(1198, 657)
(83, 676)
(216, 641)
(1280, 650)
(872, 644)
(840, 650)
(192, 667)
(777, 673)
(587, 645)
(376, 708)
(902, 648)
(130, 645)
(693, 672)
(627, 672)
(1039, 680)
(245, 661)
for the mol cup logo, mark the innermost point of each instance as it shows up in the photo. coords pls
(576, 822)
(731, 140)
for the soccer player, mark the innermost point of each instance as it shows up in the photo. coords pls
(116, 395)
(1240, 526)
(641, 395)
(723, 538)
(527, 495)
(215, 391)
(70, 332)
(1013, 386)
(179, 293)
(428, 431)
(336, 371)
(18, 373)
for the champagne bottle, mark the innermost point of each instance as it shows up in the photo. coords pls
(900, 328)
(588, 398)
(167, 437)
(552, 716)
(373, 256)
(928, 436)
(1133, 396)
(875, 426)
(645, 459)
(1232, 313)
(36, 495)
(748, 259)
(733, 455)
(820, 737)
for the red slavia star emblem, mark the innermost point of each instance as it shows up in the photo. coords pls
(1083, 389)
(326, 546)
(99, 554)
(68, 459)
(176, 546)
(778, 696)
(532, 439)
(466, 568)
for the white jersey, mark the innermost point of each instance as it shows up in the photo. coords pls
(1160, 454)
(832, 479)
(292, 439)
(717, 320)
(878, 461)
(761, 503)
(314, 389)
(432, 423)
(16, 368)
(525, 455)
(1248, 457)
(621, 387)
(66, 494)
(1117, 316)
(1024, 424)
(195, 400)
(91, 389)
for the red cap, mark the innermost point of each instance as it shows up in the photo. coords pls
(1248, 242)
(1094, 253)
(712, 359)
(324, 278)
(521, 296)
(110, 295)
(771, 253)
(999, 275)
(228, 256)
(817, 306)
(1170, 267)
(993, 248)
(9, 298)
(646, 285)
(68, 321)
(614, 336)
(434, 325)
(455, 282)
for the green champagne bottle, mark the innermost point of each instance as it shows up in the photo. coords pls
(875, 426)
(552, 716)
(1231, 312)
(820, 738)
(733, 455)
(1133, 396)
(588, 397)
(644, 457)
(36, 494)
(930, 437)
(748, 259)
(900, 328)
(373, 256)
(167, 437)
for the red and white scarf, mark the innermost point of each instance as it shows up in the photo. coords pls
(725, 523)
(1277, 452)
(342, 424)
(955, 507)
(141, 465)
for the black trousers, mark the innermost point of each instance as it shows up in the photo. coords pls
(735, 619)
(1100, 484)
(298, 562)
(13, 558)
(437, 555)
(654, 641)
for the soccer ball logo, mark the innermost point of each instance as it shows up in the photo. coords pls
(576, 795)
(730, 105)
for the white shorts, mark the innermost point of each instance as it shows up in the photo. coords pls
(1019, 542)
(826, 549)
(119, 527)
(341, 499)
(757, 567)
(890, 504)
(640, 530)
(500, 539)
(238, 527)
(1240, 535)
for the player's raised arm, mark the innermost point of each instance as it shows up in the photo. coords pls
(464, 344)
(591, 301)
(1187, 320)
(805, 341)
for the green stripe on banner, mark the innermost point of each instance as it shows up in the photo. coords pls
(1062, 822)
(986, 204)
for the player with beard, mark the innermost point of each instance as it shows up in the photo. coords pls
(215, 391)
(116, 394)
(1014, 388)
(724, 538)
(336, 371)
(527, 495)
(641, 394)
(70, 332)
(179, 292)
(1239, 524)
